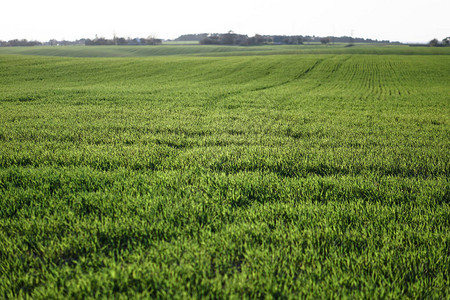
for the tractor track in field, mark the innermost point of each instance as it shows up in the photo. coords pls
(306, 72)
(283, 83)
(298, 77)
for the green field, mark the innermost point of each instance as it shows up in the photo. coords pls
(203, 50)
(223, 172)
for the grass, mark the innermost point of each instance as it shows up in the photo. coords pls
(170, 49)
(311, 176)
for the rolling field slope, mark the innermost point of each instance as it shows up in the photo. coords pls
(214, 50)
(318, 176)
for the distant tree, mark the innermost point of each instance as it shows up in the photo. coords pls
(446, 42)
(433, 43)
(291, 40)
(121, 41)
(325, 40)
(151, 41)
(192, 37)
(257, 40)
(210, 40)
(22, 43)
(260, 39)
(14, 43)
(228, 38)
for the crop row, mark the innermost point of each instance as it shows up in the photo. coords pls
(320, 176)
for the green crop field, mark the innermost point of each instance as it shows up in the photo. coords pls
(203, 50)
(221, 172)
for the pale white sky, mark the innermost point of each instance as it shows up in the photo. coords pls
(395, 20)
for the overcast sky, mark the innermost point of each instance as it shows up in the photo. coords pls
(395, 20)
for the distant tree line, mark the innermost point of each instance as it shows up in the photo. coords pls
(229, 38)
(87, 42)
(232, 38)
(444, 43)
(26, 43)
(19, 43)
(196, 37)
(123, 41)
